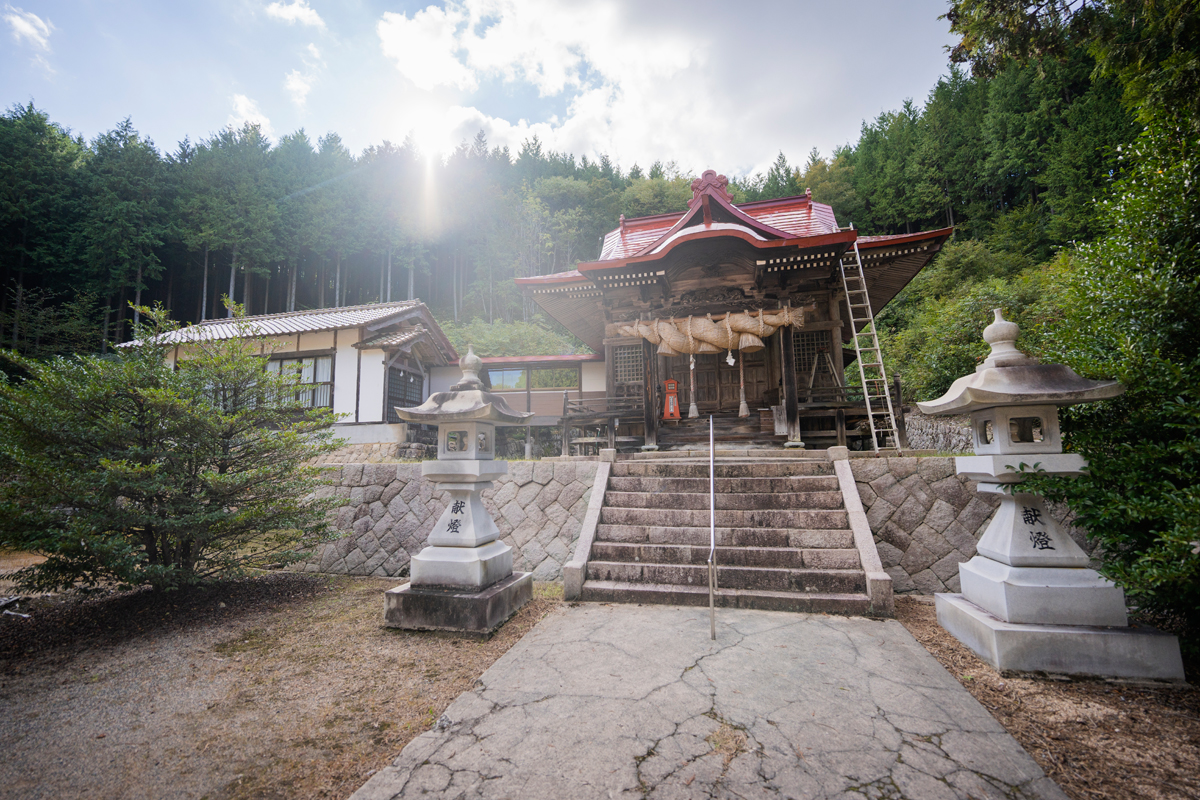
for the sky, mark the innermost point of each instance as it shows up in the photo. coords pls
(708, 85)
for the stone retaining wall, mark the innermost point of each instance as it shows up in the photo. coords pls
(939, 434)
(384, 452)
(388, 511)
(926, 519)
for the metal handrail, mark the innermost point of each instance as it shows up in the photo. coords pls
(712, 534)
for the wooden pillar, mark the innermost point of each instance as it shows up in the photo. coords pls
(840, 419)
(649, 384)
(791, 405)
(835, 340)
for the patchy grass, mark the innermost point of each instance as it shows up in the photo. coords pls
(727, 742)
(284, 686)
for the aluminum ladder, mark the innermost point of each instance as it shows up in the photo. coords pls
(880, 416)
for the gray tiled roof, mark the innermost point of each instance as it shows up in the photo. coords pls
(288, 322)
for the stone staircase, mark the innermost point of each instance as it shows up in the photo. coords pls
(729, 430)
(783, 536)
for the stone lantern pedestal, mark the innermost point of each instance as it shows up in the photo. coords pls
(463, 580)
(1029, 601)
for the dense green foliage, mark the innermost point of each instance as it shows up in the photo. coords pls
(511, 339)
(1133, 312)
(124, 470)
(933, 333)
(1129, 305)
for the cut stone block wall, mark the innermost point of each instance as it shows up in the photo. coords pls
(388, 509)
(378, 453)
(939, 434)
(926, 519)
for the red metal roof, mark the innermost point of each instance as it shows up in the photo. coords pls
(788, 217)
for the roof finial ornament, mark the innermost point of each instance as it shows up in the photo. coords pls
(622, 223)
(470, 364)
(808, 193)
(1002, 336)
(712, 183)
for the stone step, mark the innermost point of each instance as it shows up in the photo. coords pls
(853, 604)
(783, 483)
(782, 557)
(726, 536)
(738, 501)
(771, 579)
(697, 469)
(745, 451)
(675, 517)
(671, 438)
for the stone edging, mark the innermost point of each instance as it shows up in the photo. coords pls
(879, 583)
(575, 569)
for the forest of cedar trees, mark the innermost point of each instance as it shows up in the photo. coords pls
(1015, 162)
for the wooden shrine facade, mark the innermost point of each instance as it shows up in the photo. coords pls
(729, 268)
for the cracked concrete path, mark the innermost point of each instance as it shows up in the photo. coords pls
(619, 701)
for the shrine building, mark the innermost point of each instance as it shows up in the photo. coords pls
(753, 309)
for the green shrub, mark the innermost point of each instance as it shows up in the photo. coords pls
(1133, 313)
(510, 339)
(123, 470)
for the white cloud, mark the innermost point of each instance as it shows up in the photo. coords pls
(246, 110)
(425, 47)
(298, 85)
(691, 81)
(296, 11)
(29, 27)
(627, 88)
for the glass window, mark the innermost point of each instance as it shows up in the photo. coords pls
(555, 378)
(506, 379)
(405, 389)
(315, 374)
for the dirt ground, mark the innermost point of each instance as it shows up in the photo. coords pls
(1094, 738)
(287, 686)
(284, 686)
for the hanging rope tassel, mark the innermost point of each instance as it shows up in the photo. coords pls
(743, 409)
(693, 409)
(729, 336)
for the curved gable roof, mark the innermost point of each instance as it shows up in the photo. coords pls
(711, 212)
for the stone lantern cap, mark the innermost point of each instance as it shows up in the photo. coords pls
(467, 401)
(1010, 378)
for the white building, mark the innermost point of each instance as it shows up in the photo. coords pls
(362, 361)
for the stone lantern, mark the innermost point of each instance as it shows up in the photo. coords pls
(463, 580)
(1029, 602)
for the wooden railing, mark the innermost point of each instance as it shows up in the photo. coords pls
(600, 417)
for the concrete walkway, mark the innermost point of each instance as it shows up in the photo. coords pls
(625, 701)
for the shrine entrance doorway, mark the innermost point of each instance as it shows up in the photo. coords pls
(718, 384)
